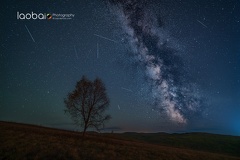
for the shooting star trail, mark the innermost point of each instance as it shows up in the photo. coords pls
(129, 90)
(75, 51)
(119, 107)
(97, 50)
(202, 24)
(29, 33)
(105, 38)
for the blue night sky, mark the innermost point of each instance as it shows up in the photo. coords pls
(168, 65)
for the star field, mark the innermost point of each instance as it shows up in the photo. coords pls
(167, 65)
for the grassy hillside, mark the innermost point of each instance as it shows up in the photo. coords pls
(19, 141)
(198, 141)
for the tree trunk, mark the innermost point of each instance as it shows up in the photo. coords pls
(84, 131)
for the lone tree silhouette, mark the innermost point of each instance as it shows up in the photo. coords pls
(87, 103)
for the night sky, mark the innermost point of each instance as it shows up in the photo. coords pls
(168, 65)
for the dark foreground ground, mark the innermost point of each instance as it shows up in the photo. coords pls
(20, 141)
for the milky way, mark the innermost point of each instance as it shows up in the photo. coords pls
(174, 94)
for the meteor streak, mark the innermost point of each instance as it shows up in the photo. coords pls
(129, 90)
(75, 52)
(29, 33)
(105, 38)
(202, 24)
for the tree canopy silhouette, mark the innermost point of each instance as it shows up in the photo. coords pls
(86, 104)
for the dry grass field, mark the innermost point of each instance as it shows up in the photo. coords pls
(21, 141)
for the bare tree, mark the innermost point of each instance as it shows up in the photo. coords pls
(87, 103)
